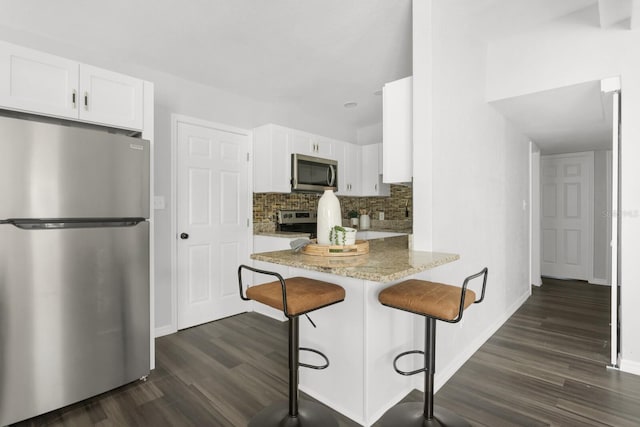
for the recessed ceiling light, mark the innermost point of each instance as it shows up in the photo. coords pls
(350, 104)
(378, 92)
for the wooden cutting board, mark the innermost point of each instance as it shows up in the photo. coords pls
(361, 247)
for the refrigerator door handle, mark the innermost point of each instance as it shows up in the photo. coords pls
(62, 224)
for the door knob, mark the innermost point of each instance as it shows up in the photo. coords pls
(184, 236)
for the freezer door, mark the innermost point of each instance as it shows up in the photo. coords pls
(55, 171)
(74, 315)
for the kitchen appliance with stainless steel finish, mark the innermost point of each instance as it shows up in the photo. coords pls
(297, 221)
(313, 174)
(74, 265)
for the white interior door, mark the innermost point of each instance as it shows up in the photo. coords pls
(212, 221)
(567, 245)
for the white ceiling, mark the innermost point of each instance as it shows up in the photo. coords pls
(317, 54)
(563, 120)
(314, 55)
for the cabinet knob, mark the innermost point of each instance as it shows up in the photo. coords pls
(184, 236)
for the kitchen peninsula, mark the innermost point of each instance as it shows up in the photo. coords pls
(360, 336)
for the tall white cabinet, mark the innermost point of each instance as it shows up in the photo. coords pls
(37, 82)
(397, 130)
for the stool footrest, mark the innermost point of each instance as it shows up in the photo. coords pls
(407, 373)
(306, 365)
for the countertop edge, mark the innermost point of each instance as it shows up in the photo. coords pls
(353, 271)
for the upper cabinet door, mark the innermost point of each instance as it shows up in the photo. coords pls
(110, 98)
(397, 131)
(38, 82)
(313, 145)
(371, 184)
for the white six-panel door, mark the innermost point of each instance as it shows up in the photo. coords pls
(566, 215)
(212, 221)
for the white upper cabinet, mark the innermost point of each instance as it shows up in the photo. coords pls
(359, 167)
(351, 170)
(272, 159)
(313, 145)
(39, 83)
(110, 98)
(371, 184)
(397, 131)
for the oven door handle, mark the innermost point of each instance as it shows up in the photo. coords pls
(331, 175)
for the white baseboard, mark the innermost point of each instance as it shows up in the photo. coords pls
(443, 376)
(393, 402)
(630, 367)
(602, 282)
(165, 330)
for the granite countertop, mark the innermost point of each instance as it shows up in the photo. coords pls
(388, 259)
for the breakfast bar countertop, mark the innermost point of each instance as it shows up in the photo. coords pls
(388, 259)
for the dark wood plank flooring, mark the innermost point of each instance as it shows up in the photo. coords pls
(545, 366)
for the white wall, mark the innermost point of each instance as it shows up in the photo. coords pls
(570, 51)
(471, 176)
(371, 134)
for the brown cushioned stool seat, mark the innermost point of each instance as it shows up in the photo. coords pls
(435, 301)
(303, 294)
(426, 298)
(294, 296)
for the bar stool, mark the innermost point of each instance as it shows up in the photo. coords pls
(294, 296)
(434, 301)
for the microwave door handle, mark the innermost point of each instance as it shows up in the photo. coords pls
(331, 180)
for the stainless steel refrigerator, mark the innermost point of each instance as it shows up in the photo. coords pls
(74, 265)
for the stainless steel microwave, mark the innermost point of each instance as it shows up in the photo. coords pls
(310, 173)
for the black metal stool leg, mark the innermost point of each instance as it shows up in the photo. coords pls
(294, 413)
(416, 414)
(430, 364)
(294, 353)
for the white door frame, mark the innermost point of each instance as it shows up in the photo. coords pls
(615, 229)
(175, 120)
(535, 277)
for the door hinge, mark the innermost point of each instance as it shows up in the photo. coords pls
(247, 222)
(247, 157)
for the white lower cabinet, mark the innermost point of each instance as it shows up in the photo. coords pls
(40, 83)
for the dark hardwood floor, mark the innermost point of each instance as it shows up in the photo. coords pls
(545, 366)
